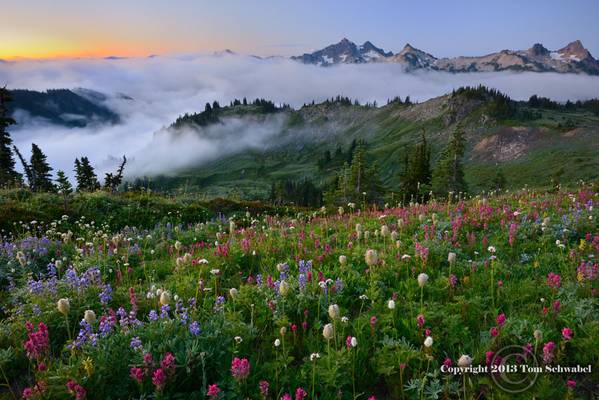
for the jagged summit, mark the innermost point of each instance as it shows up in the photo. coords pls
(575, 49)
(573, 58)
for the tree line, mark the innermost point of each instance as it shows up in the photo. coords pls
(212, 111)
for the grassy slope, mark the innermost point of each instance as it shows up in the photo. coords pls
(390, 132)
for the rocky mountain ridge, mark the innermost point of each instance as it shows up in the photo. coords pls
(573, 58)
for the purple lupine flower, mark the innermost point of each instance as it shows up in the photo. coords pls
(194, 328)
(338, 285)
(164, 310)
(135, 343)
(121, 313)
(52, 285)
(105, 327)
(83, 336)
(35, 287)
(71, 277)
(153, 315)
(219, 303)
(184, 318)
(304, 267)
(106, 294)
(51, 270)
(302, 280)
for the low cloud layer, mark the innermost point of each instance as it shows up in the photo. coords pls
(163, 88)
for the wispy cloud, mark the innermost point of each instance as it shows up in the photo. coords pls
(163, 88)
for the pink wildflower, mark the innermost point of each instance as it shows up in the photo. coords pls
(554, 281)
(137, 374)
(240, 368)
(264, 388)
(168, 362)
(494, 331)
(213, 391)
(500, 319)
(159, 378)
(37, 343)
(300, 394)
(548, 352)
(76, 389)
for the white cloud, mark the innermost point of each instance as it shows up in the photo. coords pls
(166, 87)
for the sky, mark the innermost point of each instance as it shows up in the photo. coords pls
(82, 28)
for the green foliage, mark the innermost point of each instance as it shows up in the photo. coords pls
(87, 181)
(52, 105)
(233, 291)
(212, 113)
(416, 177)
(302, 193)
(357, 182)
(448, 175)
(41, 178)
(8, 175)
(113, 181)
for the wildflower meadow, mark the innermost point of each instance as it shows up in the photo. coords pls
(490, 297)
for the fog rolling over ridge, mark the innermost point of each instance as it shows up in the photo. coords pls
(162, 88)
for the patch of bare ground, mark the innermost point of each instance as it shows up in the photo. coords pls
(507, 144)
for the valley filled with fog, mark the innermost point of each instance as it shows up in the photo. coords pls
(150, 93)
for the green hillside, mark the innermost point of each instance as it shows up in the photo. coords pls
(531, 143)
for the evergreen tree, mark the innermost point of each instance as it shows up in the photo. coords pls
(8, 175)
(62, 183)
(498, 181)
(358, 170)
(87, 181)
(449, 172)
(79, 175)
(350, 151)
(417, 175)
(26, 167)
(64, 187)
(357, 181)
(40, 171)
(113, 181)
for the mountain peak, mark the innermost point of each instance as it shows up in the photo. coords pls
(408, 47)
(576, 45)
(575, 50)
(538, 49)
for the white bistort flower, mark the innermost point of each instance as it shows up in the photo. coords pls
(328, 331)
(428, 342)
(63, 306)
(334, 311)
(464, 361)
(422, 279)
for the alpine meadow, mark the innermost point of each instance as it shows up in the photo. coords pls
(207, 201)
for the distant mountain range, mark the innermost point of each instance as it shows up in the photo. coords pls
(574, 58)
